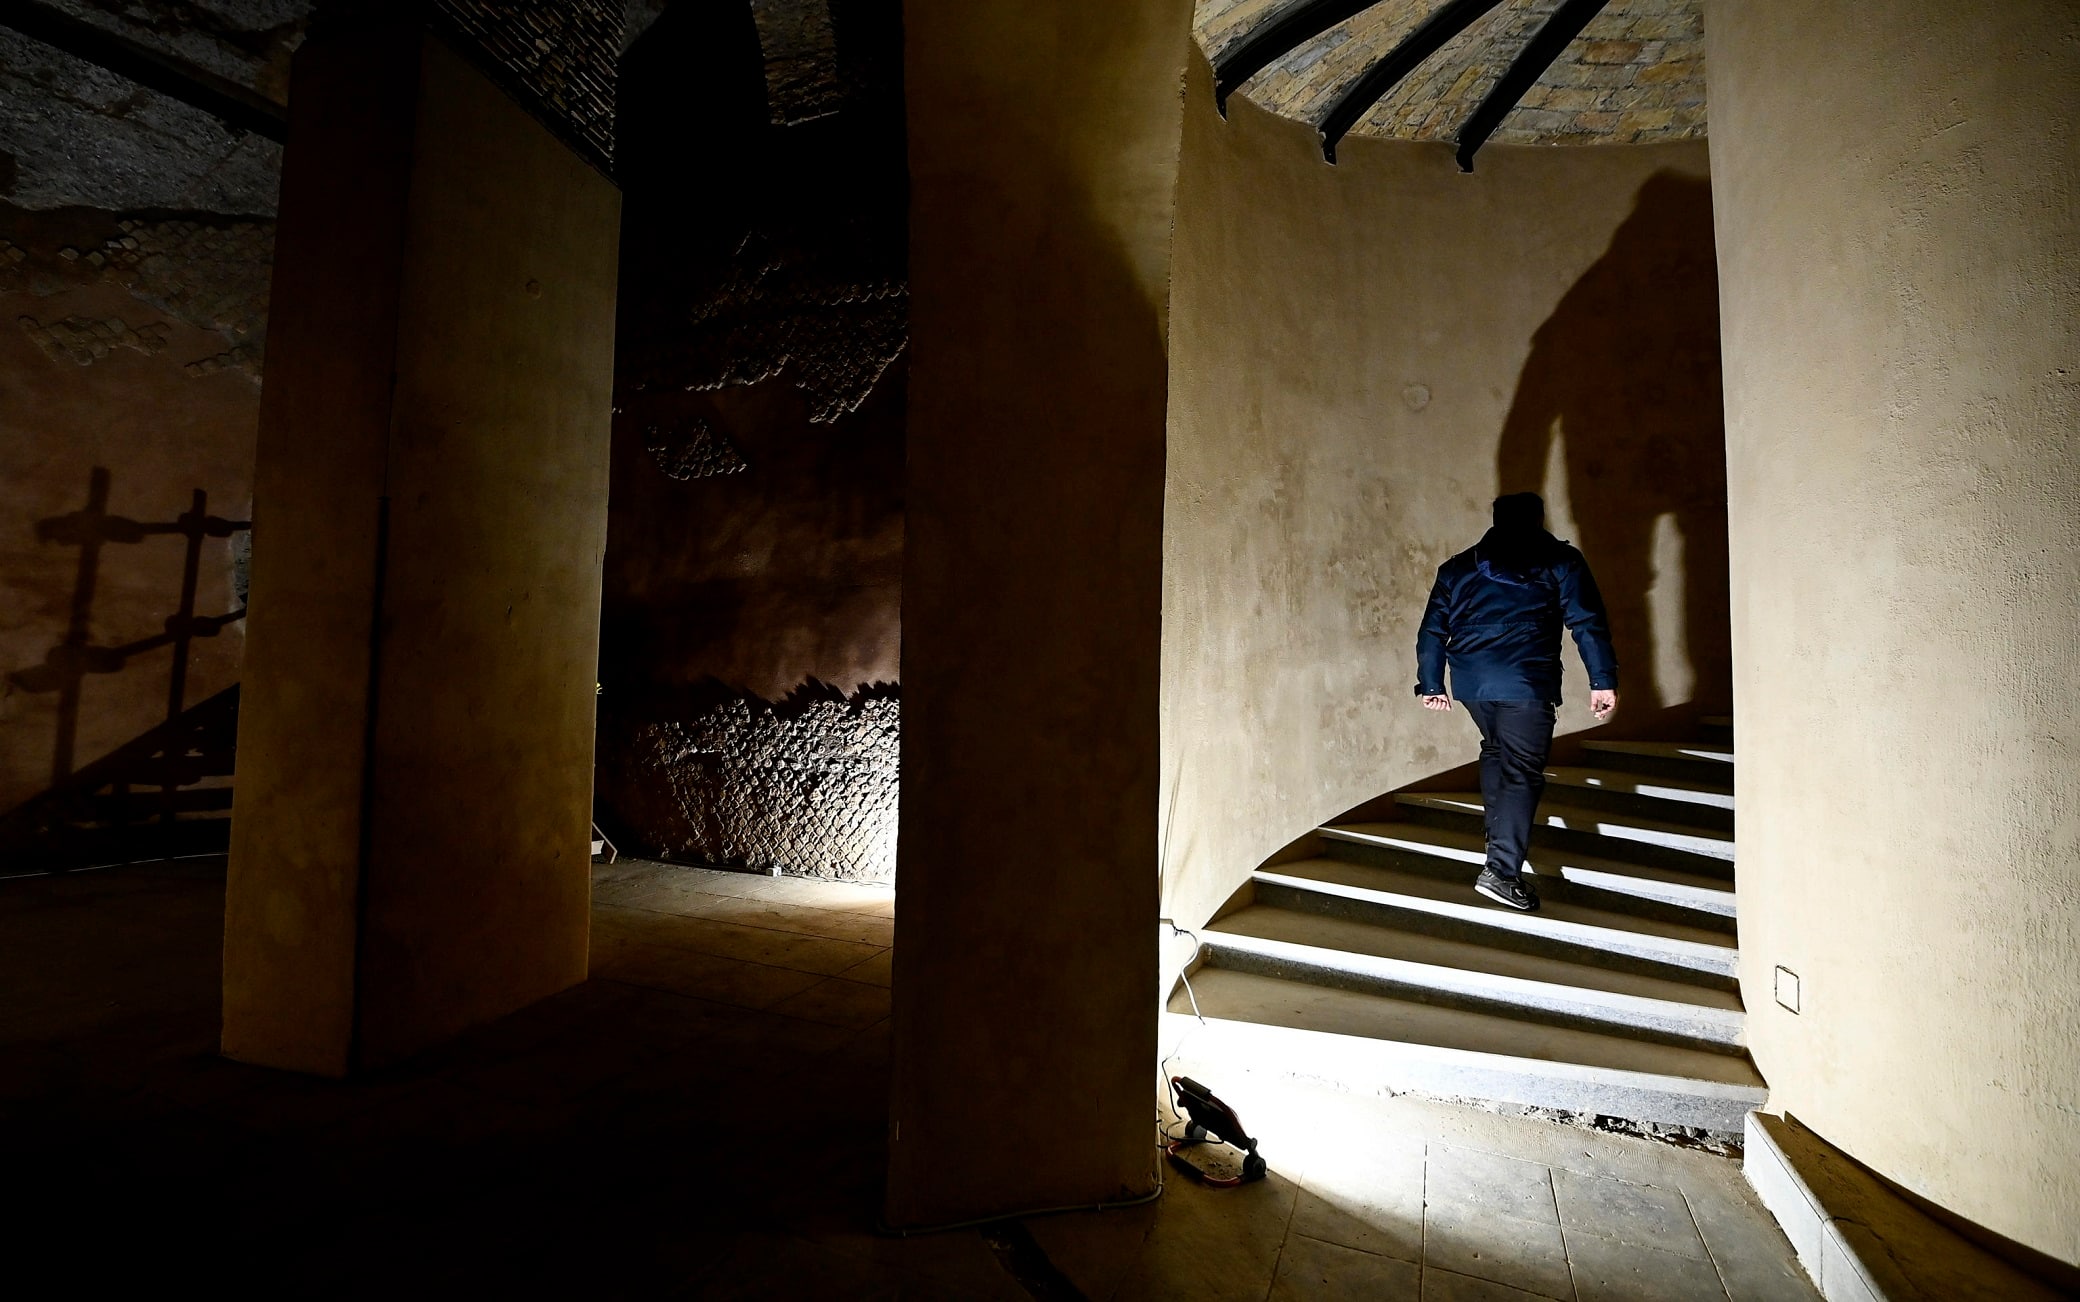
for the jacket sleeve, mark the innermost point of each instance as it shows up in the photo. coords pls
(1431, 638)
(1581, 604)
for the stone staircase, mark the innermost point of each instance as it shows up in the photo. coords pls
(1365, 959)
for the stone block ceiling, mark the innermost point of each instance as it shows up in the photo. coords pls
(1635, 75)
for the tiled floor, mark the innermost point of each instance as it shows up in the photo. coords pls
(704, 1119)
(1446, 1202)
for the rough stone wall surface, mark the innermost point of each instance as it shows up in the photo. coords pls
(693, 449)
(74, 135)
(819, 304)
(564, 54)
(806, 785)
(136, 244)
(209, 272)
(244, 41)
(756, 521)
(128, 359)
(800, 45)
(1634, 75)
(812, 294)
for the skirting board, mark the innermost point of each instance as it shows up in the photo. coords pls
(1861, 1242)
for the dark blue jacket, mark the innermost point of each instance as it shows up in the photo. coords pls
(1495, 615)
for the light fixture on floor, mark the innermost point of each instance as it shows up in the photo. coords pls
(1211, 1119)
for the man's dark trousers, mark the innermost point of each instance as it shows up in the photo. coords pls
(1516, 739)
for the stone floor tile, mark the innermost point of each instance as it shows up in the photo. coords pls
(759, 1032)
(835, 1001)
(663, 881)
(1383, 1215)
(445, 1115)
(781, 915)
(558, 1073)
(1096, 1251)
(621, 870)
(1756, 1262)
(699, 975)
(1449, 1286)
(632, 889)
(772, 1268)
(1644, 1215)
(879, 901)
(1497, 1185)
(1606, 1270)
(964, 1268)
(1577, 1148)
(1213, 1245)
(671, 1020)
(1348, 1136)
(1469, 1238)
(878, 970)
(289, 1103)
(749, 944)
(1310, 1269)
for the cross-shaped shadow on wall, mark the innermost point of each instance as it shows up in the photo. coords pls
(75, 657)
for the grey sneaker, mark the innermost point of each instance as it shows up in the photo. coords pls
(1511, 892)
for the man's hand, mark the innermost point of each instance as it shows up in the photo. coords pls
(1440, 702)
(1602, 702)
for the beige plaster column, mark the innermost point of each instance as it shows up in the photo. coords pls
(409, 841)
(1043, 154)
(1899, 244)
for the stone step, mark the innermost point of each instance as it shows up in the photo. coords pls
(1560, 823)
(1456, 855)
(1351, 955)
(1667, 800)
(1563, 929)
(1575, 841)
(1696, 761)
(1354, 1039)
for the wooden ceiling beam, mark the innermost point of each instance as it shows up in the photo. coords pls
(1538, 54)
(1428, 38)
(1292, 26)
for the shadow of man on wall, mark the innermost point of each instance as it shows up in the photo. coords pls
(1625, 376)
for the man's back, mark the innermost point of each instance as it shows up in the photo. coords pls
(1495, 616)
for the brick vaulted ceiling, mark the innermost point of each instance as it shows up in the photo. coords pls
(1635, 74)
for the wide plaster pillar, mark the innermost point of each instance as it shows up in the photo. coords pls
(410, 836)
(1898, 211)
(1043, 154)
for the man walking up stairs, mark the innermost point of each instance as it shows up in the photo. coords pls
(1494, 618)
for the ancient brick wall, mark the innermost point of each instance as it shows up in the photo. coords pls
(558, 57)
(805, 785)
(751, 620)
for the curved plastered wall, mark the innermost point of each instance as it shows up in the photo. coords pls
(1900, 252)
(1362, 356)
